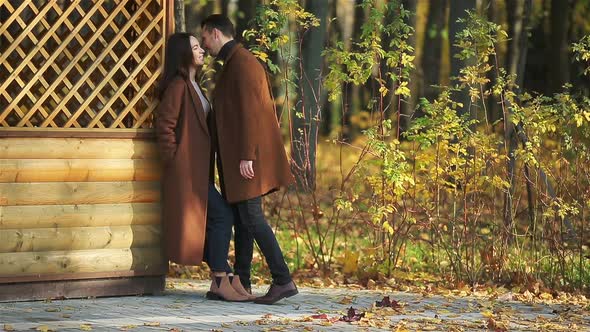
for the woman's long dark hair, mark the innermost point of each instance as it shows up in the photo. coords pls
(178, 58)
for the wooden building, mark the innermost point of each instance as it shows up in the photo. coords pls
(79, 169)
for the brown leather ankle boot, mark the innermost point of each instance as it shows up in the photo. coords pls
(237, 285)
(224, 292)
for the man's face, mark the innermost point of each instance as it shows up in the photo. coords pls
(209, 41)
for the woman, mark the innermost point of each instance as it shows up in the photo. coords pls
(191, 205)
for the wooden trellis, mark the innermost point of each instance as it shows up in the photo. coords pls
(81, 63)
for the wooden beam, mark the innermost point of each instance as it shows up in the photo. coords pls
(67, 193)
(60, 216)
(77, 148)
(79, 238)
(82, 288)
(87, 170)
(80, 261)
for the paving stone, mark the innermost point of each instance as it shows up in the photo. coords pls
(185, 308)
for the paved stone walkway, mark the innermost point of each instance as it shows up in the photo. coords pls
(184, 308)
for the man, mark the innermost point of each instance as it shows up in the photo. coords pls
(251, 157)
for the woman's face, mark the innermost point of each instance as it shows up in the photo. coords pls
(198, 52)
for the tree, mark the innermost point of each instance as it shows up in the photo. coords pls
(408, 106)
(179, 22)
(353, 94)
(558, 54)
(432, 47)
(458, 10)
(308, 113)
(519, 14)
(246, 11)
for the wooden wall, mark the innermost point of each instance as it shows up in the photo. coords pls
(78, 209)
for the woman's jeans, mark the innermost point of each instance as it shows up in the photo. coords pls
(220, 220)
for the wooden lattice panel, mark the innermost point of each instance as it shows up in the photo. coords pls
(80, 64)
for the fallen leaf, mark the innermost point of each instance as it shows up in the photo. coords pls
(352, 316)
(8, 327)
(152, 324)
(86, 327)
(52, 309)
(350, 262)
(387, 302)
(43, 328)
(321, 316)
(127, 327)
(497, 326)
(346, 300)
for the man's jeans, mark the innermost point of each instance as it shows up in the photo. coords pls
(250, 225)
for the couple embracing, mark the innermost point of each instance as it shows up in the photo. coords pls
(237, 131)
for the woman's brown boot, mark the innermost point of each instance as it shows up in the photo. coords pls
(237, 285)
(221, 289)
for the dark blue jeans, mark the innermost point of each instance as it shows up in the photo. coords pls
(251, 225)
(220, 219)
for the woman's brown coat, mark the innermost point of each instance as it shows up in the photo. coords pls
(184, 142)
(246, 128)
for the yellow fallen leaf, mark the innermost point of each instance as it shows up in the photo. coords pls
(8, 327)
(545, 296)
(86, 327)
(346, 300)
(401, 328)
(350, 261)
(52, 310)
(127, 327)
(487, 314)
(43, 328)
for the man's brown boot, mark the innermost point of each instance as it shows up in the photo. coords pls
(237, 285)
(222, 290)
(277, 292)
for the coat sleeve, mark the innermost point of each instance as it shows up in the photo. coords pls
(249, 99)
(167, 115)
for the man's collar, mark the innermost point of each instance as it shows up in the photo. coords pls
(225, 50)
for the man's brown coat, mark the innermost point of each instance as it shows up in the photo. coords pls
(246, 128)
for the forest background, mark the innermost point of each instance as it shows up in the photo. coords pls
(436, 141)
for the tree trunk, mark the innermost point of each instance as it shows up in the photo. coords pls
(457, 11)
(246, 12)
(432, 47)
(225, 7)
(407, 107)
(179, 22)
(331, 115)
(305, 124)
(494, 112)
(558, 52)
(353, 95)
(519, 14)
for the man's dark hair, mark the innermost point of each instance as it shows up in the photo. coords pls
(221, 23)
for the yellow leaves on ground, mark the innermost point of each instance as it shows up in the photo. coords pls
(350, 262)
(86, 327)
(8, 327)
(127, 327)
(346, 300)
